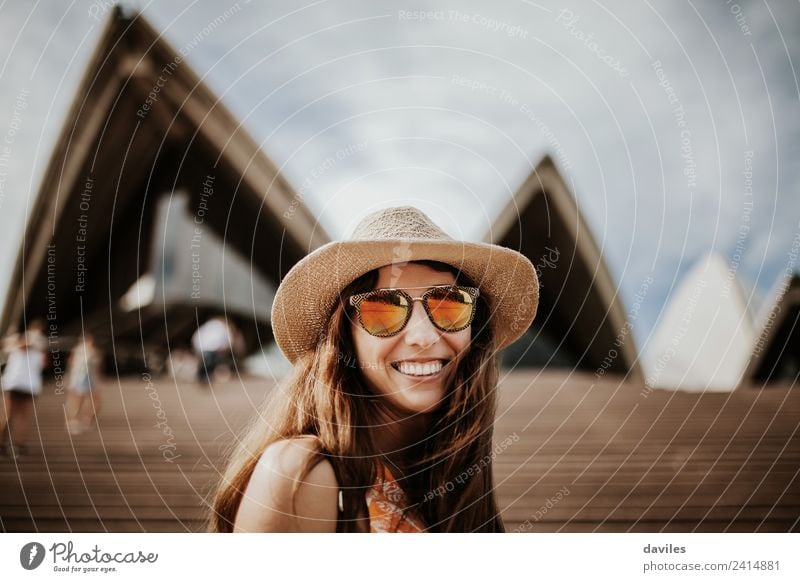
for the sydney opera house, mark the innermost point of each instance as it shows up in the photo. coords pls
(158, 210)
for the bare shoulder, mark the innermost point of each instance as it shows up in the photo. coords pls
(269, 503)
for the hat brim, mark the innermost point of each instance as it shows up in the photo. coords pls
(306, 296)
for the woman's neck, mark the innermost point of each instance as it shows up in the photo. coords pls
(395, 434)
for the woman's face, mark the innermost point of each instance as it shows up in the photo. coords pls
(381, 359)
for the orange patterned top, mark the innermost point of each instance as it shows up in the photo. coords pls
(385, 502)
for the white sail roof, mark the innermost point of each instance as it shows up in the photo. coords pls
(704, 335)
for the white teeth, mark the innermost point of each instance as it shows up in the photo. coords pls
(415, 369)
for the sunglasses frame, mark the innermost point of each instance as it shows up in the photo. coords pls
(474, 293)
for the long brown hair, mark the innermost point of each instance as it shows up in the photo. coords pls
(450, 481)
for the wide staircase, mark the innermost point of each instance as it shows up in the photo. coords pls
(572, 454)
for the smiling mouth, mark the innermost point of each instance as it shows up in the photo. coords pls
(419, 369)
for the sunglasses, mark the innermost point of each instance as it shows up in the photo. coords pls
(385, 312)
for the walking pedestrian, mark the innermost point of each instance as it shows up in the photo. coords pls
(21, 384)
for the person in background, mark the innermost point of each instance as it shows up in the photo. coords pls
(210, 342)
(83, 397)
(226, 360)
(21, 383)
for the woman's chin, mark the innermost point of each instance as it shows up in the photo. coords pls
(418, 399)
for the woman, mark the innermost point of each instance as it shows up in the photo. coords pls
(83, 398)
(394, 336)
(22, 382)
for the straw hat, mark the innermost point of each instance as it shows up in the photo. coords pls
(306, 296)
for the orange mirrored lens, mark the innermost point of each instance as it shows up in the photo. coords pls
(450, 309)
(383, 314)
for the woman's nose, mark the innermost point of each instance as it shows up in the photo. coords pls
(420, 330)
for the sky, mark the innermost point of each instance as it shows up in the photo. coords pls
(675, 124)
